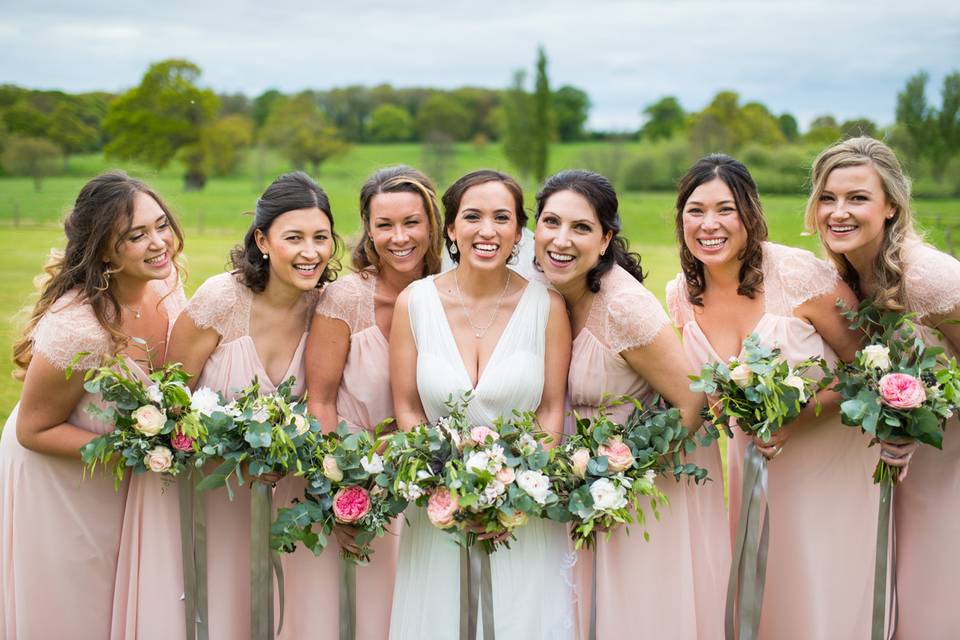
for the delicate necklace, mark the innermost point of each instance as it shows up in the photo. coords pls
(135, 312)
(479, 332)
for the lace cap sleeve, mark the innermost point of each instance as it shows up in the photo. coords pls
(631, 314)
(677, 302)
(348, 299)
(796, 275)
(931, 280)
(68, 328)
(217, 304)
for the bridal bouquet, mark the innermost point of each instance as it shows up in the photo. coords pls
(605, 471)
(897, 387)
(479, 482)
(760, 391)
(158, 427)
(348, 482)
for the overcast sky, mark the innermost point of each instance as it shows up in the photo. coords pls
(809, 57)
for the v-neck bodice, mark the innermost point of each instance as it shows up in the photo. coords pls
(513, 376)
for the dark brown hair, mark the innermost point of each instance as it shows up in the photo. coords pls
(399, 179)
(453, 195)
(603, 198)
(289, 192)
(103, 212)
(738, 179)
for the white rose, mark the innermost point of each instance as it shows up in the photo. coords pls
(797, 383)
(331, 469)
(607, 496)
(149, 420)
(154, 393)
(478, 461)
(373, 464)
(536, 484)
(741, 375)
(300, 424)
(579, 460)
(158, 459)
(206, 401)
(260, 414)
(877, 355)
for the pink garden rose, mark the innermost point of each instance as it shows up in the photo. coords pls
(350, 504)
(158, 459)
(619, 456)
(901, 391)
(442, 506)
(479, 435)
(149, 420)
(181, 441)
(506, 475)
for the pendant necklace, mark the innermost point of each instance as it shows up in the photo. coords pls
(479, 332)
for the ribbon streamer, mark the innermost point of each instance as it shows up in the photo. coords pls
(193, 553)
(348, 599)
(476, 588)
(593, 593)
(749, 567)
(880, 601)
(261, 569)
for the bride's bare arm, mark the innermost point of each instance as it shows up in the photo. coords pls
(555, 365)
(403, 368)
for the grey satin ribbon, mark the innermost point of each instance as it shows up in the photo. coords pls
(193, 553)
(261, 570)
(749, 566)
(593, 593)
(476, 588)
(348, 599)
(880, 601)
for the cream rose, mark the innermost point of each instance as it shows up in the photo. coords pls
(149, 420)
(607, 496)
(536, 484)
(518, 519)
(300, 424)
(797, 383)
(741, 375)
(330, 468)
(877, 356)
(579, 461)
(372, 464)
(158, 459)
(506, 475)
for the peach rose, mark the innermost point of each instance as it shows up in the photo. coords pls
(479, 435)
(442, 506)
(158, 459)
(579, 461)
(619, 456)
(506, 475)
(149, 420)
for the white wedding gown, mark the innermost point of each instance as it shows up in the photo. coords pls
(533, 595)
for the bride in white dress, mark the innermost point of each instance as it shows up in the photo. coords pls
(481, 326)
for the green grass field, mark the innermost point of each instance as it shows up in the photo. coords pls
(213, 219)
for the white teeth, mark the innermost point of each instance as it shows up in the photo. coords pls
(559, 257)
(713, 242)
(842, 228)
(402, 254)
(157, 259)
(481, 246)
(305, 267)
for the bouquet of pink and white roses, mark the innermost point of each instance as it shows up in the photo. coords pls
(348, 482)
(605, 471)
(479, 482)
(158, 427)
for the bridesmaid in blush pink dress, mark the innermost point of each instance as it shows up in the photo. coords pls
(348, 366)
(822, 501)
(246, 324)
(860, 207)
(61, 532)
(624, 344)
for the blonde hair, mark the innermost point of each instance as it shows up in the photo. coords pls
(399, 179)
(897, 230)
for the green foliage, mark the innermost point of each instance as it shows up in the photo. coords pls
(789, 127)
(36, 158)
(664, 119)
(517, 124)
(70, 132)
(298, 129)
(23, 119)
(571, 108)
(725, 126)
(226, 141)
(858, 127)
(442, 114)
(542, 118)
(931, 133)
(390, 123)
(164, 115)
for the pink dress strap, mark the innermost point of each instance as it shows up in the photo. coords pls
(350, 299)
(930, 280)
(678, 304)
(68, 328)
(222, 303)
(625, 314)
(794, 276)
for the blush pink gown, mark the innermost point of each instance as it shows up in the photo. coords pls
(672, 586)
(61, 535)
(823, 503)
(925, 504)
(363, 401)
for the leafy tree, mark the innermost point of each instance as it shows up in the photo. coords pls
(760, 126)
(226, 141)
(571, 108)
(824, 130)
(933, 134)
(664, 118)
(480, 104)
(235, 103)
(165, 114)
(516, 125)
(70, 132)
(542, 118)
(262, 105)
(300, 131)
(24, 119)
(33, 157)
(442, 114)
(857, 127)
(789, 127)
(390, 123)
(437, 155)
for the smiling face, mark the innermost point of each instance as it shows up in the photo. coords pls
(399, 230)
(145, 251)
(712, 229)
(485, 228)
(852, 211)
(298, 244)
(569, 239)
